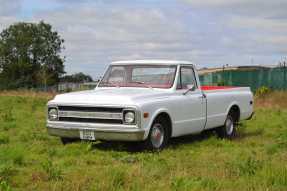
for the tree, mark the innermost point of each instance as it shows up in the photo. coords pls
(77, 78)
(30, 56)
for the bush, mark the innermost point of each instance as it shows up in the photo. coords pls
(262, 92)
(220, 83)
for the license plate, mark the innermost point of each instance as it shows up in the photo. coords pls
(87, 135)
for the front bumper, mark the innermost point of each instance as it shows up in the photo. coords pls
(108, 132)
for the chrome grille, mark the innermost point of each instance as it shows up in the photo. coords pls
(91, 114)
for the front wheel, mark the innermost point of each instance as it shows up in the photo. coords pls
(228, 130)
(158, 135)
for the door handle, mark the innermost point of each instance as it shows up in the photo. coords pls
(202, 96)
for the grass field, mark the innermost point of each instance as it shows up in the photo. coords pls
(30, 159)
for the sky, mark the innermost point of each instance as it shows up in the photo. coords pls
(210, 33)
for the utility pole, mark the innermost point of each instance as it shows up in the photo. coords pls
(223, 79)
(223, 73)
(284, 71)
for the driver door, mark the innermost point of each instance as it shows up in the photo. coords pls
(192, 103)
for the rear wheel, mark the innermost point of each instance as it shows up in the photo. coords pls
(228, 130)
(158, 135)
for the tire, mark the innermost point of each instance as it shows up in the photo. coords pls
(66, 141)
(228, 130)
(159, 135)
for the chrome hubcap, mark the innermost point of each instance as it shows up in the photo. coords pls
(229, 126)
(157, 135)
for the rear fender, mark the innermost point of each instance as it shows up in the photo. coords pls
(230, 106)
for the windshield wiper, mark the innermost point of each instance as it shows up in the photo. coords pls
(143, 83)
(117, 85)
(111, 83)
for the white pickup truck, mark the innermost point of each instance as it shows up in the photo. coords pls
(148, 101)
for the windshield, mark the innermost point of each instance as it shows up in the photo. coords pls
(151, 76)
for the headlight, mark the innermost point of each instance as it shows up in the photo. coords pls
(129, 117)
(53, 114)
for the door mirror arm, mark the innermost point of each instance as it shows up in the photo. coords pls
(190, 87)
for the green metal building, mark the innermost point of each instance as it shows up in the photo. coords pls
(254, 77)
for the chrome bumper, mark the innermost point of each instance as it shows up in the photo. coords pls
(102, 131)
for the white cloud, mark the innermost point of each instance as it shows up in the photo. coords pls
(264, 8)
(263, 24)
(5, 21)
(8, 7)
(210, 32)
(98, 35)
(254, 28)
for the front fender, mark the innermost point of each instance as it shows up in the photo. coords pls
(153, 117)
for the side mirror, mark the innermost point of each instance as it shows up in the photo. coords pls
(190, 87)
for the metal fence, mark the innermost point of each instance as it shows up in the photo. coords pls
(273, 78)
(67, 87)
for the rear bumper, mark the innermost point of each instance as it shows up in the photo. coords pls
(251, 116)
(101, 131)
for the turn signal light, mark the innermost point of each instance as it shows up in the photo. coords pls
(145, 115)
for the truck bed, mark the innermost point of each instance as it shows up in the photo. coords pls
(206, 88)
(223, 88)
(219, 99)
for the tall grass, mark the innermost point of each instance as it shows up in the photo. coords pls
(30, 159)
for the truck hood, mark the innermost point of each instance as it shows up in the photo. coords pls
(110, 96)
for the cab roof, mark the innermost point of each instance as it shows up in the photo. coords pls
(145, 62)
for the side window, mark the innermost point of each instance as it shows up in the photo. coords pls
(117, 74)
(187, 77)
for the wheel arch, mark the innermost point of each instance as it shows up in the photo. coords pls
(162, 113)
(234, 107)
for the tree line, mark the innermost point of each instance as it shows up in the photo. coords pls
(31, 57)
